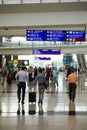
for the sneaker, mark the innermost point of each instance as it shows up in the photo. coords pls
(41, 102)
(23, 112)
(22, 102)
(18, 112)
(18, 101)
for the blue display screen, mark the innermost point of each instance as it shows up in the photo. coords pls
(45, 35)
(36, 35)
(75, 35)
(67, 60)
(55, 35)
(42, 58)
(46, 51)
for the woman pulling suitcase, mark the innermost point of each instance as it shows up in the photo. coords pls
(41, 84)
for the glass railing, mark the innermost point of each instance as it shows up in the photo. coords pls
(37, 1)
(40, 44)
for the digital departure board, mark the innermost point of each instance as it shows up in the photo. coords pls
(46, 51)
(55, 35)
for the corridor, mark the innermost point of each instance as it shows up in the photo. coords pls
(55, 113)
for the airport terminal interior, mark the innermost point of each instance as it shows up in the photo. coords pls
(56, 112)
(44, 33)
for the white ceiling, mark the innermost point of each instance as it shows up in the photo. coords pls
(13, 7)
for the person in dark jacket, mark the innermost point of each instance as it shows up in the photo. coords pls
(3, 74)
(67, 74)
(9, 76)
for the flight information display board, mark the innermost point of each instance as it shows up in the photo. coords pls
(46, 51)
(55, 35)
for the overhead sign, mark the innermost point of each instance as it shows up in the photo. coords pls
(67, 60)
(46, 51)
(36, 35)
(55, 35)
(42, 58)
(45, 35)
(75, 35)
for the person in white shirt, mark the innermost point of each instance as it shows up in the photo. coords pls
(22, 78)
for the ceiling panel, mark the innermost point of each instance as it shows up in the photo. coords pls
(68, 0)
(11, 2)
(83, 0)
(50, 1)
(30, 1)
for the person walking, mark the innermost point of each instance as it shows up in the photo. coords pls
(22, 78)
(72, 79)
(9, 76)
(41, 84)
(3, 74)
(67, 74)
(47, 76)
(55, 76)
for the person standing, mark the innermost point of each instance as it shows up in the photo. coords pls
(72, 79)
(22, 78)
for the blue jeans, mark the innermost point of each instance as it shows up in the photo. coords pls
(55, 81)
(41, 92)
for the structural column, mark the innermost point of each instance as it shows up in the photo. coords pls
(1, 55)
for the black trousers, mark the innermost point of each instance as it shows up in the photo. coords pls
(72, 91)
(21, 88)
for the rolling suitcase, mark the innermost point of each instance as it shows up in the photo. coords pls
(32, 97)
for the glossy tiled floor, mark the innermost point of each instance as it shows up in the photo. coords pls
(55, 113)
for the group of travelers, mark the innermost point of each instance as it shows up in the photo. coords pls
(40, 75)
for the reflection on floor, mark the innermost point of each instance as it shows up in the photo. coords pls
(55, 99)
(56, 107)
